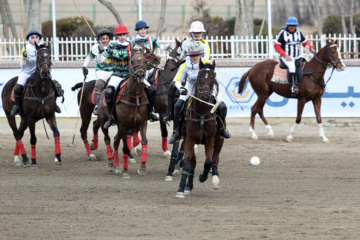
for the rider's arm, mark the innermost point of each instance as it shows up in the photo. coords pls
(305, 42)
(277, 45)
(180, 76)
(206, 51)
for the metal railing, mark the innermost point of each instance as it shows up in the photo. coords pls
(234, 47)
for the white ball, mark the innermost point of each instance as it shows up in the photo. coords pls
(255, 160)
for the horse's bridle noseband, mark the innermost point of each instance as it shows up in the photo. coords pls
(333, 63)
(140, 73)
(200, 90)
(39, 65)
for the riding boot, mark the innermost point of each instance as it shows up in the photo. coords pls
(109, 95)
(18, 93)
(177, 123)
(98, 90)
(151, 93)
(223, 132)
(294, 88)
(171, 95)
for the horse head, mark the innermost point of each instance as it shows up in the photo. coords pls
(174, 54)
(331, 55)
(205, 81)
(43, 60)
(137, 63)
(152, 60)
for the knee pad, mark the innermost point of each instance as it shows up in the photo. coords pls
(223, 109)
(18, 90)
(109, 93)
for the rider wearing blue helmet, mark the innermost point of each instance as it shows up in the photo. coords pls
(287, 44)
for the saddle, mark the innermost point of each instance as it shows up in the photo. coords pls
(280, 71)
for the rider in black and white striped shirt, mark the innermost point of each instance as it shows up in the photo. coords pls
(287, 44)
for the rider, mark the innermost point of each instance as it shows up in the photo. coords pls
(28, 67)
(104, 69)
(151, 44)
(196, 31)
(190, 69)
(287, 44)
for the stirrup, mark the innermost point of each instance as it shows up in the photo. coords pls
(167, 118)
(110, 122)
(96, 110)
(294, 90)
(57, 109)
(15, 110)
(154, 117)
(224, 133)
(175, 137)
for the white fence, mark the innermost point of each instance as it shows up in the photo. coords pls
(234, 47)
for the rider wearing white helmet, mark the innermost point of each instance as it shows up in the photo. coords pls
(196, 31)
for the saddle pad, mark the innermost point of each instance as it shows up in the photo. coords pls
(280, 75)
(121, 90)
(12, 96)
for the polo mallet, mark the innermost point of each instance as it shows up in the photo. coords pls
(77, 117)
(22, 23)
(215, 106)
(187, 7)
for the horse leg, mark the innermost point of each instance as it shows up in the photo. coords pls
(189, 152)
(317, 108)
(301, 104)
(52, 123)
(33, 146)
(258, 108)
(18, 136)
(85, 121)
(116, 155)
(180, 160)
(95, 140)
(164, 135)
(216, 153)
(142, 170)
(190, 182)
(136, 142)
(172, 163)
(112, 164)
(209, 147)
(12, 123)
(128, 138)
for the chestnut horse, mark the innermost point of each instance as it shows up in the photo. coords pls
(201, 128)
(87, 107)
(311, 87)
(38, 103)
(131, 112)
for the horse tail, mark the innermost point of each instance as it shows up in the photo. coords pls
(242, 82)
(76, 86)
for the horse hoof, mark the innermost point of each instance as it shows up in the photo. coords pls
(180, 195)
(187, 191)
(176, 171)
(92, 157)
(196, 149)
(216, 182)
(131, 159)
(27, 164)
(17, 162)
(325, 140)
(126, 175)
(168, 179)
(117, 170)
(109, 168)
(138, 150)
(167, 154)
(254, 137)
(271, 135)
(288, 139)
(201, 179)
(34, 166)
(142, 171)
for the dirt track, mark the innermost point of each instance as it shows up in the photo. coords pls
(301, 190)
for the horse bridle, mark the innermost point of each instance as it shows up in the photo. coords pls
(39, 65)
(137, 73)
(199, 88)
(333, 63)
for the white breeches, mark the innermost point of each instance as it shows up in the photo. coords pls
(103, 75)
(22, 78)
(115, 81)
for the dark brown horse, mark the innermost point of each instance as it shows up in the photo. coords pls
(38, 103)
(131, 112)
(87, 107)
(311, 87)
(201, 128)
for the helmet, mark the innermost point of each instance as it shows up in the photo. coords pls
(141, 24)
(197, 26)
(32, 32)
(194, 49)
(121, 28)
(292, 21)
(104, 31)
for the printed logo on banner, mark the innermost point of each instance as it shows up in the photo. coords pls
(1, 84)
(233, 88)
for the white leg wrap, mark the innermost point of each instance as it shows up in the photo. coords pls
(270, 131)
(322, 134)
(292, 130)
(253, 134)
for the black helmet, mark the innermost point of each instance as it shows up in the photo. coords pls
(104, 31)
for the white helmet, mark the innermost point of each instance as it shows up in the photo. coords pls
(197, 26)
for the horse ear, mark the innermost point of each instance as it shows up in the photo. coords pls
(214, 64)
(201, 64)
(37, 47)
(48, 45)
(143, 48)
(178, 43)
(336, 42)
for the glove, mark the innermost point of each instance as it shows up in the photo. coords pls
(167, 47)
(25, 54)
(85, 71)
(313, 50)
(178, 51)
(183, 91)
(101, 49)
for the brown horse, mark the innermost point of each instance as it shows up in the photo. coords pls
(87, 107)
(201, 128)
(131, 112)
(311, 87)
(39, 102)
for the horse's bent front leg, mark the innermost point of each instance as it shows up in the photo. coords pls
(317, 108)
(209, 147)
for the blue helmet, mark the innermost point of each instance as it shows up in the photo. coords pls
(292, 21)
(141, 24)
(32, 32)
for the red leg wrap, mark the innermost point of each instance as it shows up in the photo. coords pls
(33, 151)
(16, 150)
(87, 146)
(57, 145)
(109, 152)
(116, 158)
(21, 147)
(136, 139)
(143, 153)
(164, 144)
(125, 161)
(128, 139)
(95, 141)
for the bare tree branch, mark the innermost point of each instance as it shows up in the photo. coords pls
(343, 18)
(319, 17)
(161, 19)
(109, 6)
(29, 15)
(352, 26)
(4, 20)
(11, 20)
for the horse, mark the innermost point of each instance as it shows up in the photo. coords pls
(88, 105)
(201, 127)
(39, 102)
(311, 87)
(131, 109)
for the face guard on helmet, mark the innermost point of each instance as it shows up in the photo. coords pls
(197, 27)
(104, 32)
(194, 50)
(32, 32)
(121, 29)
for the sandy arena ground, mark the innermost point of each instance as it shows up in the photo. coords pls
(301, 190)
